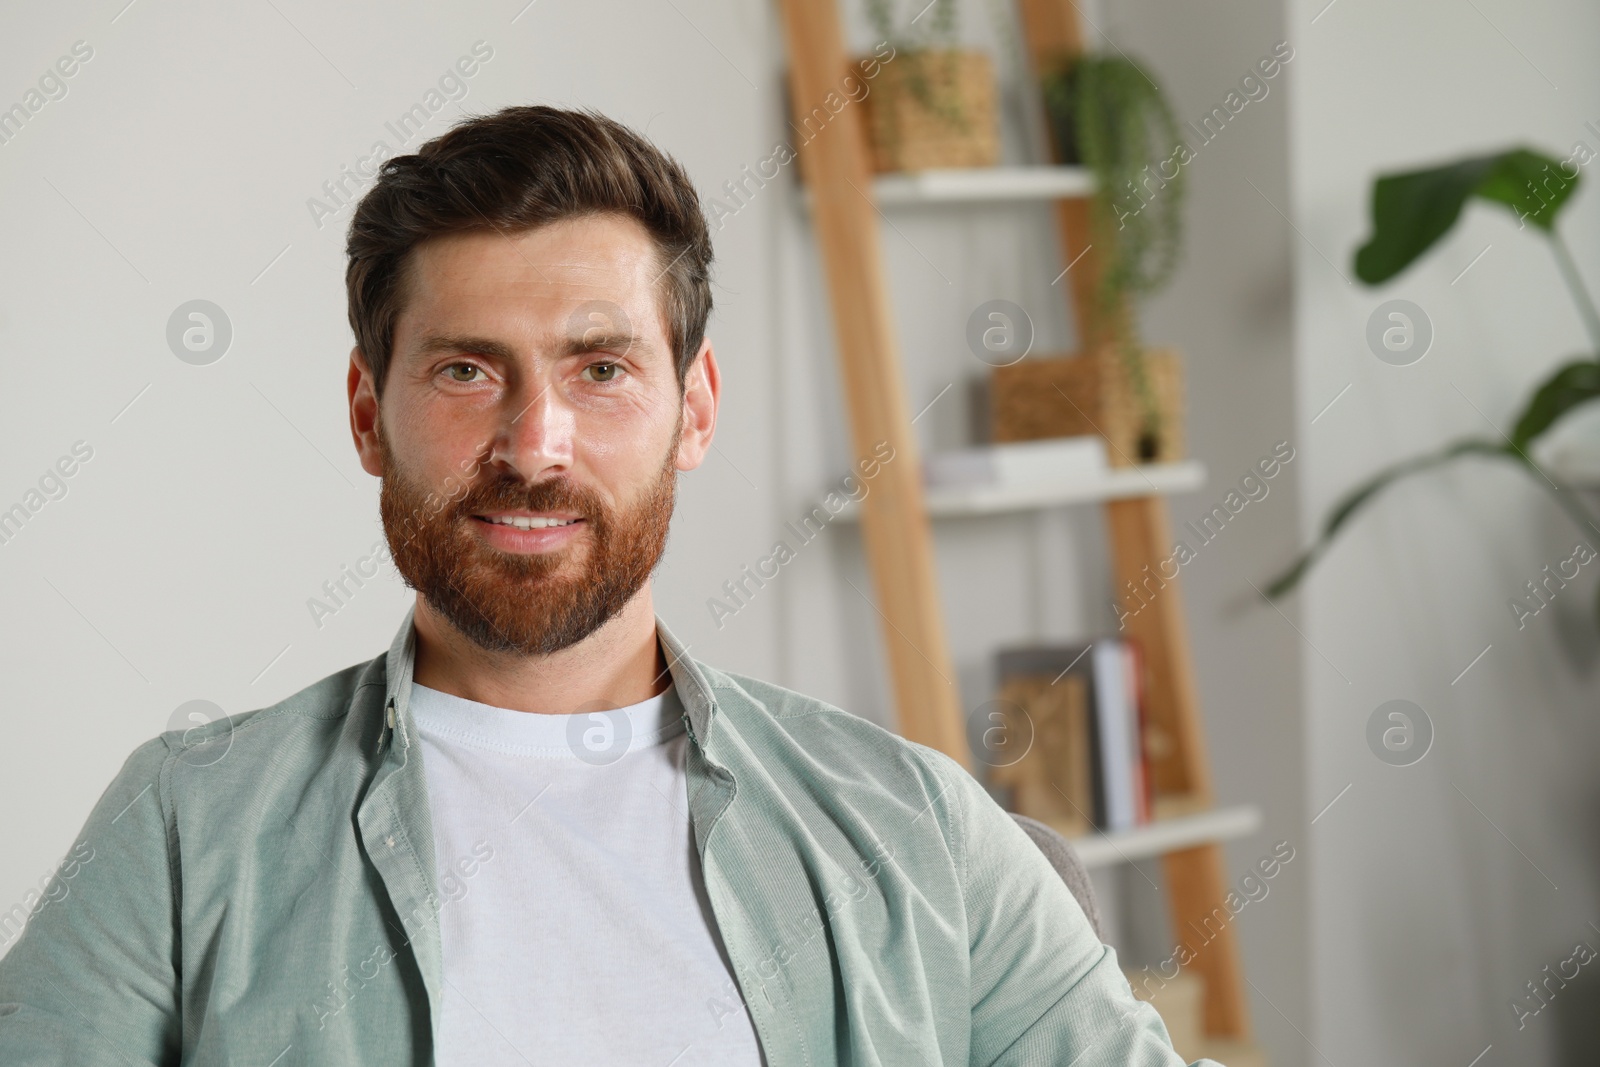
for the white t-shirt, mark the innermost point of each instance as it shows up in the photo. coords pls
(574, 919)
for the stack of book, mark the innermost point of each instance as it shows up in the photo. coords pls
(1074, 727)
(1017, 463)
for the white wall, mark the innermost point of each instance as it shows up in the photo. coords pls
(178, 166)
(179, 565)
(1435, 892)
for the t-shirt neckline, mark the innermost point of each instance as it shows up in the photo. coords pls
(595, 738)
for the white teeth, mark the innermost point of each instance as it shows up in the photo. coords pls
(524, 523)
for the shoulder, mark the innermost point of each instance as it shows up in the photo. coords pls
(753, 705)
(792, 733)
(295, 736)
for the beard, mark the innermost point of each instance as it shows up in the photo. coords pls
(528, 604)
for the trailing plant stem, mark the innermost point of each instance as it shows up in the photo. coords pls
(1358, 499)
(1580, 294)
(1563, 496)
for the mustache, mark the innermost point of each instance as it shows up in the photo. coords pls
(508, 494)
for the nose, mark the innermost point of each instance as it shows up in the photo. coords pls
(535, 435)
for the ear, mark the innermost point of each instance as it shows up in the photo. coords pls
(362, 389)
(702, 391)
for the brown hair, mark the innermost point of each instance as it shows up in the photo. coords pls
(516, 169)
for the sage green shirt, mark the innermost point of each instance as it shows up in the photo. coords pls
(261, 890)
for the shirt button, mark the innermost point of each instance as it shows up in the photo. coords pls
(389, 841)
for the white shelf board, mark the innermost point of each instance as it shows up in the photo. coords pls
(982, 183)
(1114, 483)
(975, 184)
(1167, 835)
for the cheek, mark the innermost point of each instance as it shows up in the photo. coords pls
(637, 421)
(437, 441)
(622, 448)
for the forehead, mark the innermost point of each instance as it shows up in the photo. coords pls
(533, 281)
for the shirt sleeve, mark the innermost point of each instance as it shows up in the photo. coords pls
(94, 975)
(1045, 990)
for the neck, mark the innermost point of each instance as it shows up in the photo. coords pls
(619, 664)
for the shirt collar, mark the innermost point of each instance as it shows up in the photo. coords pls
(694, 688)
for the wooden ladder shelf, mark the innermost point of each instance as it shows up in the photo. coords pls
(894, 519)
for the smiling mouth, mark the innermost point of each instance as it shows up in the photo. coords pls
(525, 522)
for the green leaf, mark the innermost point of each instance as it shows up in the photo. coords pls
(1576, 383)
(1362, 495)
(1411, 211)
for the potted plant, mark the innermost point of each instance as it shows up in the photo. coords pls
(1411, 211)
(934, 104)
(1108, 114)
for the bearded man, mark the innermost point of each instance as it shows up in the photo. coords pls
(536, 830)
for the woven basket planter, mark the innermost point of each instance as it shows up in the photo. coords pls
(1064, 396)
(962, 129)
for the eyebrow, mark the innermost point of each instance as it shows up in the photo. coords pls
(588, 341)
(436, 343)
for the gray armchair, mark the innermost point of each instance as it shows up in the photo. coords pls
(1059, 851)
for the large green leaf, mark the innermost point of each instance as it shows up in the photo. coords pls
(1576, 383)
(1411, 211)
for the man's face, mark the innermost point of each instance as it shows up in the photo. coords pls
(531, 429)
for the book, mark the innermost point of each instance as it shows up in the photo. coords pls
(1138, 717)
(1041, 751)
(1112, 707)
(1048, 460)
(1052, 665)
(1082, 708)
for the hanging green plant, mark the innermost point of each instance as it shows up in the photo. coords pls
(1109, 115)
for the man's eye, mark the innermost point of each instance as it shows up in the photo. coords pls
(463, 372)
(603, 372)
